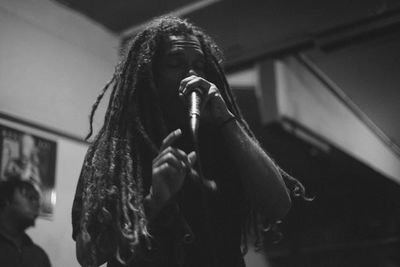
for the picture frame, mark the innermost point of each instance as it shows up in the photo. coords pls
(30, 155)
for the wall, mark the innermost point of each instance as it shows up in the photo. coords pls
(55, 235)
(305, 99)
(53, 64)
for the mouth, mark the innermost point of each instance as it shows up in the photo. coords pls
(35, 213)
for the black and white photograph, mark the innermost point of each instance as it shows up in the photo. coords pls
(200, 133)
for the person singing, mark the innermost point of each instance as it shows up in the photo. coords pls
(151, 195)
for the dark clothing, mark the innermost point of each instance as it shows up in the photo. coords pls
(186, 216)
(26, 255)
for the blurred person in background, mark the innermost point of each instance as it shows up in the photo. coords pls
(19, 208)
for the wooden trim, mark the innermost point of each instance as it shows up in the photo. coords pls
(15, 119)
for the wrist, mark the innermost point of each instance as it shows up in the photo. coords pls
(152, 206)
(227, 121)
(222, 116)
(157, 213)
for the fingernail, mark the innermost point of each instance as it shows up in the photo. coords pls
(192, 156)
(177, 131)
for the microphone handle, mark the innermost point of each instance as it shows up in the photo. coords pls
(195, 98)
(194, 112)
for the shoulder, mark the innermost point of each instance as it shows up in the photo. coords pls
(35, 253)
(41, 255)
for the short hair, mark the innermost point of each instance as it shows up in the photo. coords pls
(8, 187)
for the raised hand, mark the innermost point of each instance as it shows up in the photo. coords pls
(169, 170)
(214, 109)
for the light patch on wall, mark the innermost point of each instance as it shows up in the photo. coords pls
(306, 100)
(245, 78)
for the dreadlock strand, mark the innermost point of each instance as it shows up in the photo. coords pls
(120, 172)
(142, 220)
(255, 221)
(96, 104)
(109, 112)
(296, 188)
(228, 93)
(117, 108)
(135, 187)
(156, 116)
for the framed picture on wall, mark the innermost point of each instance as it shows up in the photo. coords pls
(28, 156)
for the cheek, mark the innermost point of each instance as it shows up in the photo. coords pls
(26, 206)
(169, 83)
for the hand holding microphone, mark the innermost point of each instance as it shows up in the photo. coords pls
(203, 101)
(194, 90)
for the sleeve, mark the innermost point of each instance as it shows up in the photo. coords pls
(47, 262)
(41, 257)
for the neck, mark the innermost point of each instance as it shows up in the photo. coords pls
(10, 228)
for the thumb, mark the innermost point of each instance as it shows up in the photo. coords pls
(192, 158)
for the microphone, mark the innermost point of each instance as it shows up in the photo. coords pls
(194, 105)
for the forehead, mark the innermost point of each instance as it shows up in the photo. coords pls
(182, 42)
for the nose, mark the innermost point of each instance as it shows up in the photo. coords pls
(192, 72)
(189, 72)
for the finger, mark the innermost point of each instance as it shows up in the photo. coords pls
(197, 84)
(172, 160)
(179, 154)
(192, 74)
(208, 184)
(183, 83)
(214, 92)
(192, 158)
(194, 78)
(214, 96)
(170, 139)
(165, 168)
(194, 175)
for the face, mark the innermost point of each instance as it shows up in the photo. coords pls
(24, 207)
(180, 56)
(27, 146)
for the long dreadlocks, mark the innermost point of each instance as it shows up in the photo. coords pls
(116, 173)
